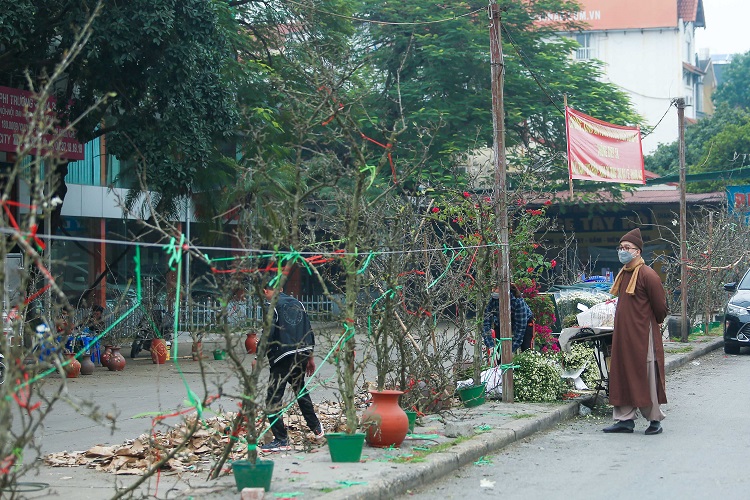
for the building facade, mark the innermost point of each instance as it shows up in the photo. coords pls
(647, 48)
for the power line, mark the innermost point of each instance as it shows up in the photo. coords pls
(526, 63)
(660, 119)
(205, 249)
(386, 23)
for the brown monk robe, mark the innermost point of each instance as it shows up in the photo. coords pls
(636, 372)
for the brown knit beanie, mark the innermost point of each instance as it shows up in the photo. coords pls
(634, 237)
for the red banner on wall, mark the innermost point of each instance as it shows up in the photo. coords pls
(601, 151)
(14, 104)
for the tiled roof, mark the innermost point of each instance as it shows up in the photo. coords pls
(653, 195)
(693, 69)
(691, 11)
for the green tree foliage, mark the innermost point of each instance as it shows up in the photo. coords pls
(432, 64)
(701, 147)
(168, 63)
(717, 143)
(735, 91)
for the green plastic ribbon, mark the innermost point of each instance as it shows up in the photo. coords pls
(350, 483)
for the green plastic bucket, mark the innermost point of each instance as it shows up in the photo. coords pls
(345, 447)
(219, 354)
(247, 475)
(472, 396)
(412, 416)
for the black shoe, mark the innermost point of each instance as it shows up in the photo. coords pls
(654, 428)
(621, 426)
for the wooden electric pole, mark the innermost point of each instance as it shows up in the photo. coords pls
(501, 201)
(685, 330)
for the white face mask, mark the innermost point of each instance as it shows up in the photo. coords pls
(495, 295)
(624, 256)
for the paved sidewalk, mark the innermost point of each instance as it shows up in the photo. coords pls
(433, 451)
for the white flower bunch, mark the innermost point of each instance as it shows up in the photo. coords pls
(568, 301)
(578, 356)
(537, 378)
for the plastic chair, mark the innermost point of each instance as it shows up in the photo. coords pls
(87, 342)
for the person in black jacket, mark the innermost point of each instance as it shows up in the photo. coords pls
(290, 357)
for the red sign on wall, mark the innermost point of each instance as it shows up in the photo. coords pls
(15, 104)
(601, 151)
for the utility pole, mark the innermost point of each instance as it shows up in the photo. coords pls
(685, 330)
(501, 201)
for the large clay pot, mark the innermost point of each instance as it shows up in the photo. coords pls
(87, 365)
(106, 355)
(251, 343)
(158, 351)
(386, 423)
(73, 368)
(116, 361)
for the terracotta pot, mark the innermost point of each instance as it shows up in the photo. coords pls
(106, 355)
(251, 343)
(158, 351)
(73, 368)
(116, 361)
(197, 350)
(87, 365)
(386, 423)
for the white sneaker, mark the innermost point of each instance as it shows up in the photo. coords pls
(319, 433)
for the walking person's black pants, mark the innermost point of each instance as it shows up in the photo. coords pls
(291, 370)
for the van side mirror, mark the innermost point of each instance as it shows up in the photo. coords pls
(730, 287)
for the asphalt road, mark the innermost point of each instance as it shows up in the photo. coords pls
(702, 452)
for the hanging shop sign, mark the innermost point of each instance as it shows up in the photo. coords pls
(15, 107)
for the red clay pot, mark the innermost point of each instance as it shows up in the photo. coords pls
(106, 355)
(73, 368)
(158, 351)
(386, 423)
(116, 361)
(251, 343)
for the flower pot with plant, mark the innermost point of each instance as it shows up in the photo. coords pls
(385, 423)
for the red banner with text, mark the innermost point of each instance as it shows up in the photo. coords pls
(15, 104)
(601, 151)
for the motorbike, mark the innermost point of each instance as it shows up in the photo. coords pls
(155, 325)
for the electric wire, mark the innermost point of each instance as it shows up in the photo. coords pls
(385, 23)
(205, 249)
(660, 119)
(526, 64)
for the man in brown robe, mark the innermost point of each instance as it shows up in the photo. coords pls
(636, 372)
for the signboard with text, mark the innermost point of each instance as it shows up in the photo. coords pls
(622, 15)
(15, 106)
(601, 151)
(738, 201)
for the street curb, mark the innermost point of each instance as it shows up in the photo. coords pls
(677, 360)
(441, 464)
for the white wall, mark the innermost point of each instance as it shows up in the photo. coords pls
(648, 66)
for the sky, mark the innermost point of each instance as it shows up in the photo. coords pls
(726, 30)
